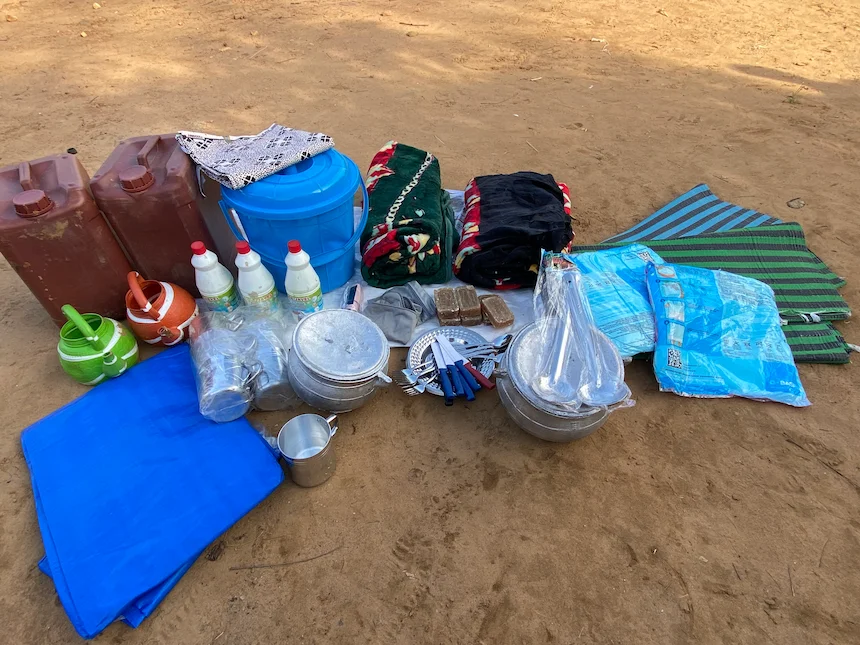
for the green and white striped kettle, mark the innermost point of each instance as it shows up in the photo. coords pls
(93, 348)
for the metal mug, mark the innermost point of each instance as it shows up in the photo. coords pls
(305, 443)
(224, 376)
(272, 389)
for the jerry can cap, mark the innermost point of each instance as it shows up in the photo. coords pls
(135, 179)
(32, 203)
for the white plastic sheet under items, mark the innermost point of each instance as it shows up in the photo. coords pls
(519, 301)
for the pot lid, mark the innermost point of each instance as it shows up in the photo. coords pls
(341, 345)
(523, 360)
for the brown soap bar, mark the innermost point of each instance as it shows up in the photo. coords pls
(470, 306)
(496, 311)
(447, 308)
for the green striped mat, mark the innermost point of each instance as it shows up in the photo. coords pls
(777, 255)
(805, 289)
(809, 343)
(816, 343)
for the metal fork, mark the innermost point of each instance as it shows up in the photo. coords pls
(409, 376)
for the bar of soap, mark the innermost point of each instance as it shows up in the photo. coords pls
(470, 306)
(447, 309)
(496, 311)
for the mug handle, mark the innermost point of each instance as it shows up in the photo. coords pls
(254, 370)
(331, 420)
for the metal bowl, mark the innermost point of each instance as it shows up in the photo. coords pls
(542, 424)
(545, 421)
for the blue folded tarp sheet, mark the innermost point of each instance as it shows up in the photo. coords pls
(131, 484)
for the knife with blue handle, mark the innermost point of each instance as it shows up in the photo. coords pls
(453, 358)
(461, 386)
(454, 375)
(443, 373)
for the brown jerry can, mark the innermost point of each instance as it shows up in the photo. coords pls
(147, 190)
(53, 235)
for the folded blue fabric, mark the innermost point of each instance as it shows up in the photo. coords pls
(614, 282)
(131, 484)
(142, 606)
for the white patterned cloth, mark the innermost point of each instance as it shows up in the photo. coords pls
(236, 162)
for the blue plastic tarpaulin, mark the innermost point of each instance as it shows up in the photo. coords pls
(131, 484)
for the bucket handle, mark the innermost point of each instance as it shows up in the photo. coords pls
(238, 230)
(325, 258)
(233, 221)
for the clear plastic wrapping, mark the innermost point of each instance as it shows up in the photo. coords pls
(578, 367)
(353, 297)
(240, 359)
(718, 335)
(270, 337)
(614, 283)
(223, 369)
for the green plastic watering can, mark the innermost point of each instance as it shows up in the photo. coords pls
(93, 348)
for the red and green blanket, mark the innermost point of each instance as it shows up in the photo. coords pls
(409, 233)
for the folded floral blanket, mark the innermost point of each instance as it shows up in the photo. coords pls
(409, 233)
(507, 221)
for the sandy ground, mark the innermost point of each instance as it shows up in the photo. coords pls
(682, 520)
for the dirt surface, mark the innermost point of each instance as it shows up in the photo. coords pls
(681, 521)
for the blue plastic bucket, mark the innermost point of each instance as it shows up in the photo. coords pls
(310, 202)
(334, 268)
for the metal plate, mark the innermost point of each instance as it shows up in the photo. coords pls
(420, 352)
(341, 345)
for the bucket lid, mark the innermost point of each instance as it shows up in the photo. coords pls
(313, 185)
(341, 345)
(523, 361)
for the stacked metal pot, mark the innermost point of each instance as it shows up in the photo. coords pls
(534, 414)
(338, 359)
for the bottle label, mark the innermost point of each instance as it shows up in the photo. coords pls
(226, 301)
(308, 304)
(267, 300)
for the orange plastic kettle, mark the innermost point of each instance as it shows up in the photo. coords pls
(158, 312)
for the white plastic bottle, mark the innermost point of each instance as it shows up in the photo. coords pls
(302, 283)
(214, 281)
(256, 284)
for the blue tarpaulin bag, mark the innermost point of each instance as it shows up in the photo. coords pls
(719, 335)
(131, 484)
